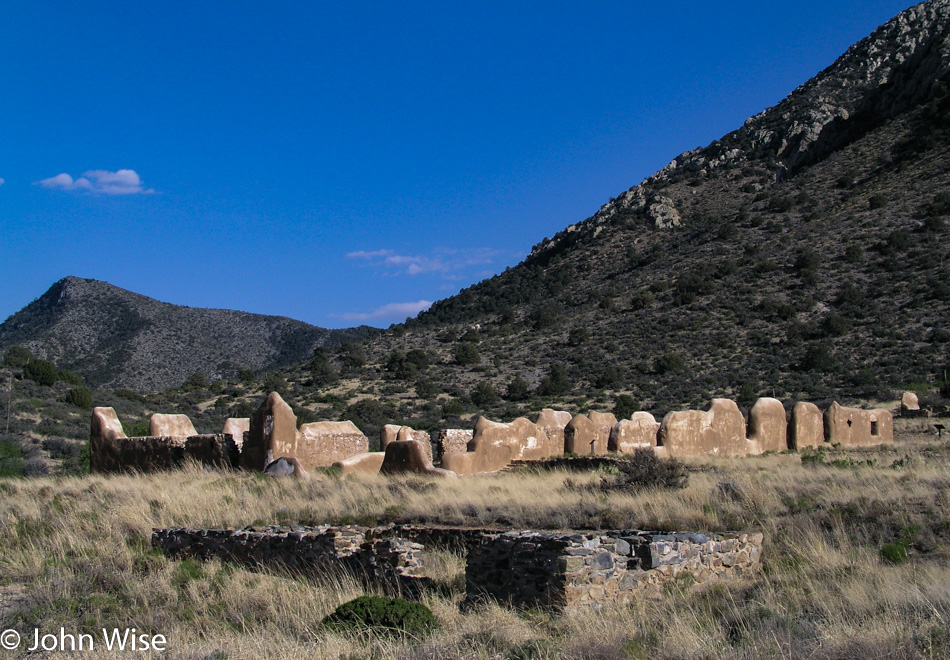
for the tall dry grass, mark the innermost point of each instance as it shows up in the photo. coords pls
(74, 552)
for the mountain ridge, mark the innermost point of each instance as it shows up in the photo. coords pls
(118, 338)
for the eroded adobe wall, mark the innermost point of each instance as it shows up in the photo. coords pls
(638, 432)
(494, 445)
(806, 428)
(454, 441)
(320, 444)
(153, 454)
(719, 431)
(855, 427)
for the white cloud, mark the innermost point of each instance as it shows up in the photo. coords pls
(442, 261)
(362, 254)
(2, 181)
(99, 182)
(392, 311)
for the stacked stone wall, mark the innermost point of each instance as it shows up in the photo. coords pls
(560, 571)
(390, 561)
(568, 571)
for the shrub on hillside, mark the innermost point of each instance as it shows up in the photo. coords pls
(80, 397)
(878, 201)
(518, 389)
(466, 354)
(624, 406)
(41, 372)
(556, 382)
(483, 395)
(17, 357)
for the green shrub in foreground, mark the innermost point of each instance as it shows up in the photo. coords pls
(386, 615)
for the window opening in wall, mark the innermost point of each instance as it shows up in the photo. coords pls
(873, 428)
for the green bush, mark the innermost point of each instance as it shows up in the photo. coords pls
(518, 389)
(624, 406)
(644, 470)
(466, 354)
(11, 460)
(483, 395)
(80, 397)
(41, 372)
(196, 381)
(556, 382)
(322, 372)
(71, 378)
(894, 553)
(940, 205)
(17, 357)
(391, 616)
(878, 201)
(669, 362)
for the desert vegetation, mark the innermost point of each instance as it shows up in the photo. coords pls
(856, 560)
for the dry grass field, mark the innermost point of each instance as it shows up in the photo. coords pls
(856, 563)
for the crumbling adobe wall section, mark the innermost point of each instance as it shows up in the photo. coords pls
(719, 431)
(551, 423)
(854, 427)
(176, 426)
(638, 432)
(111, 451)
(155, 453)
(806, 428)
(454, 441)
(768, 428)
(320, 444)
(494, 445)
(568, 571)
(395, 433)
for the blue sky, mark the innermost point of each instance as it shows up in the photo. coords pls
(346, 163)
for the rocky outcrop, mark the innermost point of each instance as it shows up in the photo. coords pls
(286, 466)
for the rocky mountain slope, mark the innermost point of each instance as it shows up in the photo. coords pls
(803, 255)
(116, 338)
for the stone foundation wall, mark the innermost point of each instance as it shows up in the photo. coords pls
(566, 571)
(559, 571)
(391, 561)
